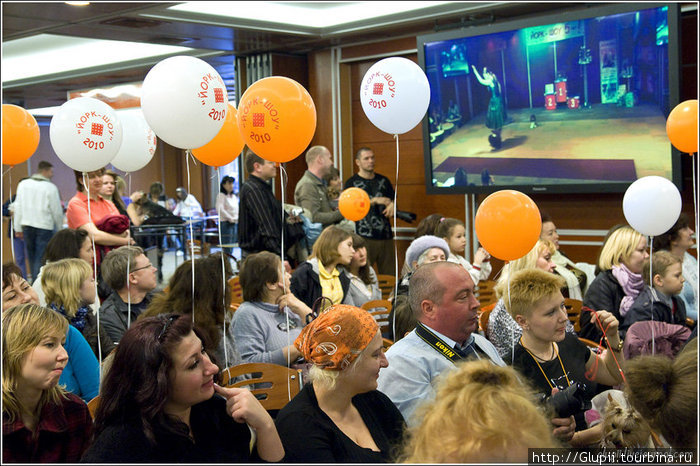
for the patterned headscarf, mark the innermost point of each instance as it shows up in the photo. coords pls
(337, 336)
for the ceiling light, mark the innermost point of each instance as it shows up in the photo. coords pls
(47, 54)
(77, 3)
(309, 14)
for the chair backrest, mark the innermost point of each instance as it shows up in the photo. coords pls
(386, 284)
(273, 385)
(234, 284)
(92, 405)
(486, 292)
(484, 318)
(573, 310)
(386, 343)
(380, 310)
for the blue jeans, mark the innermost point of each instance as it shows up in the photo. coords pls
(229, 235)
(36, 240)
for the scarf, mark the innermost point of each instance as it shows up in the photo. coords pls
(80, 318)
(631, 283)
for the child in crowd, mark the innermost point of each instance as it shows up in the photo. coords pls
(452, 231)
(659, 300)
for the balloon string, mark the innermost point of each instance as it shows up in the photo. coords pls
(223, 274)
(128, 263)
(283, 184)
(86, 185)
(8, 170)
(187, 162)
(694, 167)
(12, 217)
(396, 253)
(653, 291)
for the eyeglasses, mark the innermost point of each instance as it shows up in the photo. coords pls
(141, 268)
(167, 324)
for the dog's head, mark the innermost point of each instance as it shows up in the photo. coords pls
(623, 427)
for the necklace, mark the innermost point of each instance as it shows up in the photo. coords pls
(534, 358)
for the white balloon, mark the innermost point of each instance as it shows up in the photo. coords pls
(395, 94)
(652, 205)
(85, 133)
(184, 101)
(138, 144)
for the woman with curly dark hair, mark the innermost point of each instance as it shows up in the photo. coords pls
(157, 404)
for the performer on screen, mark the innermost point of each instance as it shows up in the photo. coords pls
(495, 115)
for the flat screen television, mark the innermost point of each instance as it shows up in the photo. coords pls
(572, 102)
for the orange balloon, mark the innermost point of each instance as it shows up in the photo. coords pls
(277, 118)
(20, 134)
(353, 203)
(682, 126)
(508, 224)
(226, 145)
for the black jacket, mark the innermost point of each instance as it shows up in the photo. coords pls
(604, 293)
(306, 285)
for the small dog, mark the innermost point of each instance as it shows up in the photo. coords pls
(624, 427)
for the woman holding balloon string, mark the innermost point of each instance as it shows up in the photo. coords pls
(502, 330)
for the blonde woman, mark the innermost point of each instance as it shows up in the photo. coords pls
(324, 274)
(619, 281)
(69, 289)
(42, 423)
(502, 330)
(499, 412)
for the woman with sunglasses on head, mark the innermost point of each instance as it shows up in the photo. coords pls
(160, 403)
(81, 376)
(42, 423)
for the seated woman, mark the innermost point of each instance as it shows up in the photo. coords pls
(499, 411)
(665, 392)
(340, 417)
(323, 274)
(575, 278)
(41, 422)
(502, 330)
(65, 244)
(364, 285)
(271, 317)
(70, 289)
(619, 281)
(209, 302)
(157, 404)
(81, 376)
(551, 359)
(677, 241)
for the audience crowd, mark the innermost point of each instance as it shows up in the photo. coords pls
(103, 363)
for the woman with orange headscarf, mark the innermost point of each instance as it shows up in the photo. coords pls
(340, 417)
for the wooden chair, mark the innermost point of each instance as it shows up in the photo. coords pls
(92, 405)
(486, 292)
(380, 310)
(484, 318)
(386, 284)
(573, 310)
(387, 343)
(234, 284)
(281, 383)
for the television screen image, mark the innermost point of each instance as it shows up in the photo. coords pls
(570, 103)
